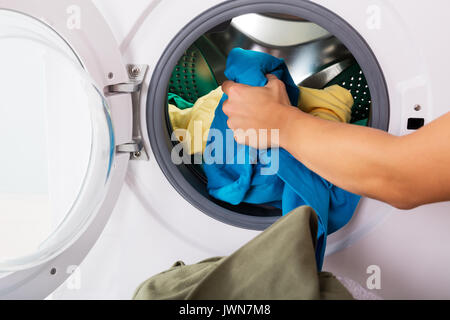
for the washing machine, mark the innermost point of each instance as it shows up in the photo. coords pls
(91, 203)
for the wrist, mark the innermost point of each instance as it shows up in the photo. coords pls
(288, 125)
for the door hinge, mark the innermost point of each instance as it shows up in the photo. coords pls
(137, 74)
(134, 148)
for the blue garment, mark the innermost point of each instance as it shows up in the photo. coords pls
(293, 184)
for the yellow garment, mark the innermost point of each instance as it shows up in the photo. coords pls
(333, 103)
(189, 123)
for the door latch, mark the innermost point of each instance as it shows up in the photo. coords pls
(137, 74)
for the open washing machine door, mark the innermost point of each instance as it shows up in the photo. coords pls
(66, 145)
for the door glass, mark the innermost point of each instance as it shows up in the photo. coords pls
(56, 143)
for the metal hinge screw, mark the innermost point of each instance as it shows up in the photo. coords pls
(134, 71)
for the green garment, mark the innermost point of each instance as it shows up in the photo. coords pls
(178, 101)
(278, 264)
(363, 122)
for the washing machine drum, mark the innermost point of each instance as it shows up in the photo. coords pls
(193, 64)
(200, 70)
(67, 129)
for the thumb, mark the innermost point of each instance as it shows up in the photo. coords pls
(227, 85)
(271, 79)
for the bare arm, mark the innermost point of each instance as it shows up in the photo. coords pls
(403, 171)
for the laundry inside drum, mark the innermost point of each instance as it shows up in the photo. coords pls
(315, 58)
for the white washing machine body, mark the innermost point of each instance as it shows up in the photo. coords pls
(153, 225)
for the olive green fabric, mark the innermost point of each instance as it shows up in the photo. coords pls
(278, 264)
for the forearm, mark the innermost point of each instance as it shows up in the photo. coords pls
(404, 171)
(361, 160)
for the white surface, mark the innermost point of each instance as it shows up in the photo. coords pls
(410, 247)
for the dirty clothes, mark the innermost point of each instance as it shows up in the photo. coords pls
(191, 125)
(272, 176)
(333, 103)
(178, 101)
(277, 264)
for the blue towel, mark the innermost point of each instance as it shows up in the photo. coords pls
(293, 185)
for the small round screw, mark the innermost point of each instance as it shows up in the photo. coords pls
(137, 154)
(53, 271)
(135, 71)
(110, 75)
(417, 107)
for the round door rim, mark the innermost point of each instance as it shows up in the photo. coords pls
(89, 41)
(208, 19)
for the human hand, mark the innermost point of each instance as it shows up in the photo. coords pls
(252, 109)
